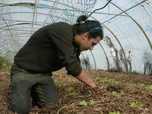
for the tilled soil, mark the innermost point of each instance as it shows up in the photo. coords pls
(114, 94)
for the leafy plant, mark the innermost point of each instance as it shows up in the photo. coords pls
(55, 80)
(135, 104)
(140, 84)
(83, 103)
(72, 80)
(69, 89)
(104, 80)
(117, 94)
(4, 63)
(61, 85)
(149, 87)
(114, 82)
(91, 102)
(117, 112)
(132, 85)
(95, 79)
(75, 93)
(122, 81)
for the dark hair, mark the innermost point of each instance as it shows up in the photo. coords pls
(84, 25)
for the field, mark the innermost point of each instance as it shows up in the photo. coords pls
(117, 93)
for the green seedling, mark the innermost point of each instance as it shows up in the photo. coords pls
(117, 112)
(69, 89)
(61, 85)
(69, 79)
(149, 87)
(104, 80)
(114, 83)
(95, 79)
(122, 81)
(91, 102)
(135, 104)
(72, 80)
(140, 85)
(75, 93)
(83, 103)
(117, 94)
(132, 85)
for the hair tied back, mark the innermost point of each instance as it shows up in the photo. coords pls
(82, 22)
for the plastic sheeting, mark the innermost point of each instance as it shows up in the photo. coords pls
(127, 43)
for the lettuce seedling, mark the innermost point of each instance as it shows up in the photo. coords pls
(61, 85)
(132, 85)
(114, 83)
(135, 104)
(83, 103)
(95, 79)
(104, 80)
(91, 102)
(72, 80)
(149, 87)
(140, 84)
(69, 89)
(117, 94)
(75, 93)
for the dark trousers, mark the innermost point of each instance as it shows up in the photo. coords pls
(29, 89)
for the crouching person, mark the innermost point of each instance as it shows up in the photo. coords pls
(49, 49)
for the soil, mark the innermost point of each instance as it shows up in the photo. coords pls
(114, 94)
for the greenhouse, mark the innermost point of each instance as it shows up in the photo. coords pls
(127, 29)
(125, 48)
